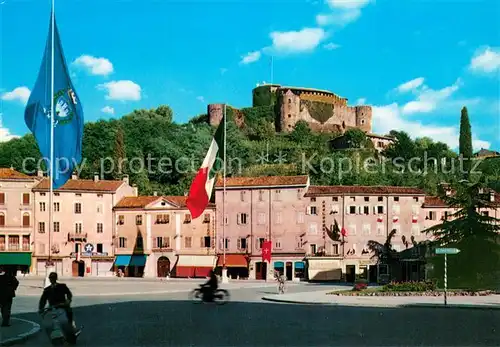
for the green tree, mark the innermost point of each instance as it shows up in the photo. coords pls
(384, 253)
(355, 138)
(465, 140)
(119, 154)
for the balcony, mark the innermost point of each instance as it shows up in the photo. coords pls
(77, 237)
(15, 248)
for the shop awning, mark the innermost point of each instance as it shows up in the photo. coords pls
(279, 264)
(130, 260)
(299, 264)
(233, 260)
(197, 260)
(15, 258)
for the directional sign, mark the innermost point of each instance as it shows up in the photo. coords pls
(447, 251)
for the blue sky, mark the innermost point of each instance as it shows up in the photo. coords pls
(416, 62)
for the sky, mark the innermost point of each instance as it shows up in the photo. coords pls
(416, 62)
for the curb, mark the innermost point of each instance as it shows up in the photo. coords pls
(452, 306)
(24, 336)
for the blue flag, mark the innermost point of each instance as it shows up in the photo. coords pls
(68, 114)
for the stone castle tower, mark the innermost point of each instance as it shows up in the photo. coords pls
(323, 111)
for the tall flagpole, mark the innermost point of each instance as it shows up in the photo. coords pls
(51, 192)
(224, 274)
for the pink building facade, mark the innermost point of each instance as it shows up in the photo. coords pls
(16, 219)
(157, 237)
(82, 239)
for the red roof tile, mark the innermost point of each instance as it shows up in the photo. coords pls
(11, 174)
(263, 181)
(136, 201)
(82, 185)
(366, 190)
(433, 201)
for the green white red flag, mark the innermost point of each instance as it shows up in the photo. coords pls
(204, 181)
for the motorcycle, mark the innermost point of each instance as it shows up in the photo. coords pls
(219, 296)
(57, 326)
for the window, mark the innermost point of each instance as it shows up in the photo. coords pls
(41, 227)
(351, 230)
(206, 242)
(277, 196)
(300, 217)
(380, 229)
(121, 220)
(277, 244)
(447, 214)
(335, 209)
(122, 242)
(226, 219)
(26, 220)
(415, 229)
(352, 209)
(57, 227)
(226, 245)
(41, 248)
(431, 215)
(187, 218)
(313, 199)
(99, 228)
(99, 248)
(313, 249)
(99, 195)
(78, 194)
(335, 249)
(138, 219)
(312, 210)
(242, 218)
(313, 228)
(299, 194)
(335, 198)
(56, 207)
(380, 209)
(486, 213)
(261, 218)
(366, 229)
(2, 198)
(261, 195)
(2, 219)
(353, 198)
(242, 195)
(414, 209)
(279, 218)
(367, 198)
(380, 198)
(26, 198)
(162, 219)
(187, 242)
(396, 209)
(159, 242)
(366, 209)
(55, 194)
(289, 101)
(260, 241)
(242, 243)
(78, 228)
(396, 198)
(99, 208)
(42, 207)
(166, 242)
(78, 208)
(206, 218)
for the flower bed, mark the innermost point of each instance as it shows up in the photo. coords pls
(402, 293)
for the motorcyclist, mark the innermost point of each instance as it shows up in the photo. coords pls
(57, 294)
(209, 287)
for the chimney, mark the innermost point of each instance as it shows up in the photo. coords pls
(39, 173)
(74, 176)
(136, 190)
(125, 179)
(96, 177)
(155, 193)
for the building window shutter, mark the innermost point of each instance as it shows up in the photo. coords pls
(221, 243)
(374, 209)
(202, 242)
(238, 218)
(347, 210)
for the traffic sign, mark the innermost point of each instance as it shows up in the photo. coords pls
(447, 251)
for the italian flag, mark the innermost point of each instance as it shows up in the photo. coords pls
(204, 181)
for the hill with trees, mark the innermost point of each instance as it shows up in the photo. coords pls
(163, 156)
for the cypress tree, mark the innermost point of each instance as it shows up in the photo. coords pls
(465, 140)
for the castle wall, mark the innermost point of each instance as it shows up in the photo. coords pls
(364, 118)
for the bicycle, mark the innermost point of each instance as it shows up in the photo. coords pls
(281, 284)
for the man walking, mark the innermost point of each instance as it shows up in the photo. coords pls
(8, 287)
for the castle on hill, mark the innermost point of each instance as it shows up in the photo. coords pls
(322, 110)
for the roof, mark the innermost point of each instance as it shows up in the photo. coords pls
(11, 174)
(263, 181)
(435, 201)
(144, 201)
(82, 185)
(366, 190)
(380, 136)
(311, 90)
(486, 153)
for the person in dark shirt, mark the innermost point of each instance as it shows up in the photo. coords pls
(209, 287)
(8, 286)
(57, 294)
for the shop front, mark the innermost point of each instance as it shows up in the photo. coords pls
(324, 269)
(130, 265)
(194, 266)
(16, 261)
(236, 265)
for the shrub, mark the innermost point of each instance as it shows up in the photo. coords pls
(360, 285)
(422, 286)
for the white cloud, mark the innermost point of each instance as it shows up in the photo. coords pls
(251, 57)
(21, 94)
(410, 85)
(96, 66)
(348, 4)
(486, 60)
(304, 40)
(428, 99)
(200, 98)
(331, 46)
(5, 134)
(390, 117)
(108, 110)
(361, 101)
(121, 90)
(342, 12)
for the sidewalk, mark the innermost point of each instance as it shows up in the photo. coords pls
(321, 298)
(19, 331)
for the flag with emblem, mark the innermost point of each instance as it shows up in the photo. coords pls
(68, 113)
(266, 250)
(204, 181)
